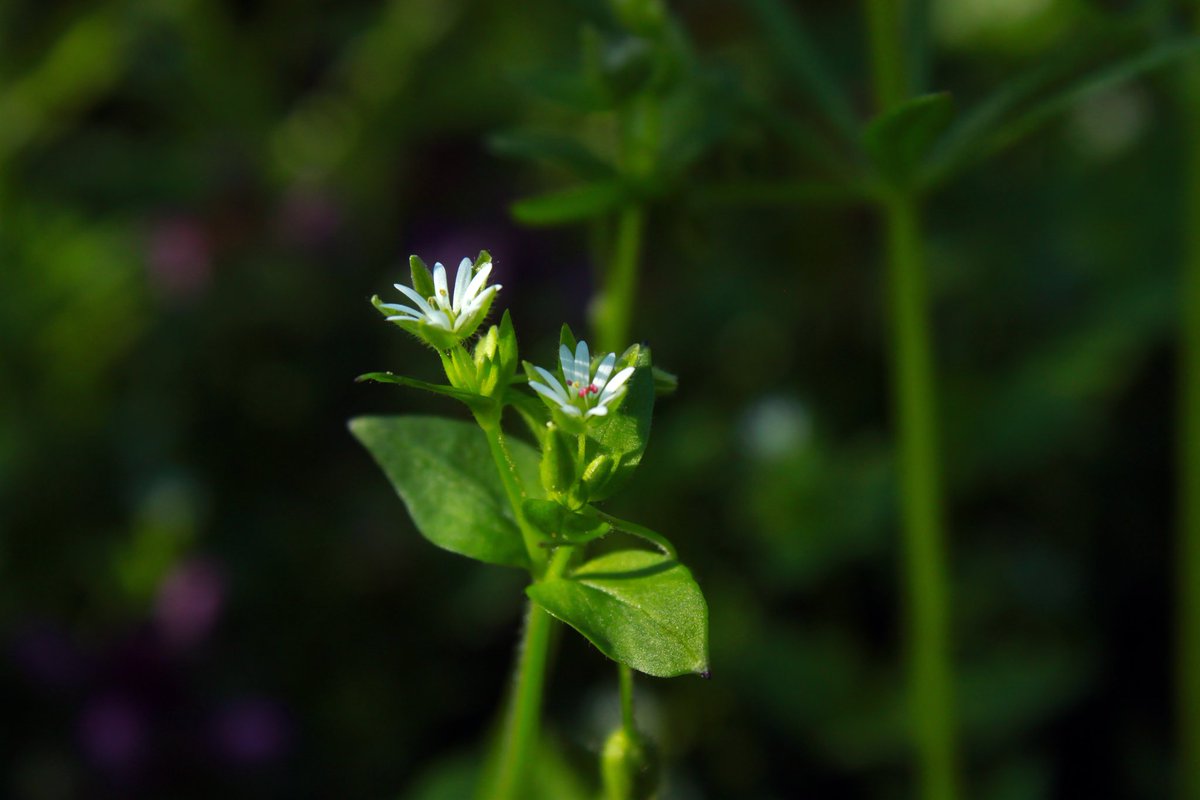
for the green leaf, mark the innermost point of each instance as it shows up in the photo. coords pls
(797, 53)
(571, 205)
(560, 525)
(999, 121)
(470, 398)
(640, 608)
(898, 140)
(551, 148)
(443, 471)
(571, 90)
(622, 435)
(640, 531)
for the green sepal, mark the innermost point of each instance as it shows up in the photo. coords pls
(558, 463)
(639, 608)
(567, 339)
(422, 278)
(484, 257)
(507, 352)
(560, 525)
(623, 433)
(487, 368)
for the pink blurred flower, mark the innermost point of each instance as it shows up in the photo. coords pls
(188, 603)
(178, 258)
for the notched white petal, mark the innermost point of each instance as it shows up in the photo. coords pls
(461, 279)
(615, 385)
(441, 291)
(552, 382)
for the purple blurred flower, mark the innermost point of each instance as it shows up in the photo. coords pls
(251, 731)
(112, 733)
(189, 602)
(309, 217)
(178, 258)
(47, 656)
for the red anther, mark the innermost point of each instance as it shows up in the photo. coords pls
(592, 389)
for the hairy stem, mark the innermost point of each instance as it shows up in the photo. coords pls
(925, 557)
(518, 742)
(620, 283)
(1188, 632)
(507, 469)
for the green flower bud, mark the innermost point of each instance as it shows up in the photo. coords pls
(629, 767)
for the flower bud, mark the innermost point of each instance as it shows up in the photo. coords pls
(629, 767)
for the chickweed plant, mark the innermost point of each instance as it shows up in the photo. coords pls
(535, 504)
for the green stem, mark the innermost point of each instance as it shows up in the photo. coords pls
(616, 299)
(1188, 655)
(931, 680)
(625, 675)
(924, 540)
(507, 469)
(518, 744)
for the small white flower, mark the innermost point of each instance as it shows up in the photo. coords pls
(585, 394)
(449, 313)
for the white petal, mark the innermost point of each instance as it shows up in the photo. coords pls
(477, 282)
(548, 393)
(478, 302)
(598, 411)
(416, 298)
(583, 364)
(440, 319)
(460, 282)
(552, 383)
(615, 385)
(400, 308)
(605, 370)
(568, 364)
(441, 292)
(572, 411)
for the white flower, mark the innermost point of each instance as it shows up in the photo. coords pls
(455, 313)
(586, 394)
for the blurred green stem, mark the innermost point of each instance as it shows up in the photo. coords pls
(518, 743)
(930, 699)
(1188, 664)
(620, 284)
(627, 722)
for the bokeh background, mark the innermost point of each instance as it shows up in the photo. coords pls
(208, 589)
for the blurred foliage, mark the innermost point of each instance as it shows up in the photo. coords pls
(205, 587)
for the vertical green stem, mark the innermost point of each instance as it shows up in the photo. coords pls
(620, 283)
(627, 720)
(1188, 655)
(507, 469)
(924, 541)
(931, 706)
(518, 743)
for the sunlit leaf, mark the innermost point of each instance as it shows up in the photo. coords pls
(443, 471)
(640, 608)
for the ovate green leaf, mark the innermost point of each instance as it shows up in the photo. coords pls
(640, 608)
(443, 471)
